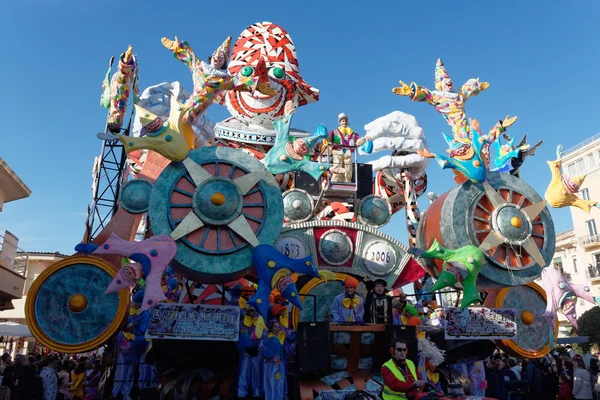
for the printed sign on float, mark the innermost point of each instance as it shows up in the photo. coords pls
(194, 322)
(481, 323)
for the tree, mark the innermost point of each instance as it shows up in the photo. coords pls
(589, 325)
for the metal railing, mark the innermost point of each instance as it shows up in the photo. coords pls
(21, 260)
(582, 144)
(589, 240)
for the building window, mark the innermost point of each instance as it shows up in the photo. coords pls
(590, 225)
(571, 169)
(590, 161)
(580, 166)
(585, 194)
(557, 262)
(575, 265)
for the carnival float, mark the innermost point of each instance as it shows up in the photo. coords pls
(223, 232)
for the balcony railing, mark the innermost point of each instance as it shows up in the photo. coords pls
(21, 260)
(581, 145)
(589, 240)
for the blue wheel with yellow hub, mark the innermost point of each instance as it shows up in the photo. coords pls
(67, 310)
(218, 204)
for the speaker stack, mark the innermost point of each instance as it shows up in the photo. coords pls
(364, 180)
(313, 347)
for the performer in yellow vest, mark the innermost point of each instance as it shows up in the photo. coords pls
(399, 374)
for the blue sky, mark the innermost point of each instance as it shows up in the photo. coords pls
(541, 59)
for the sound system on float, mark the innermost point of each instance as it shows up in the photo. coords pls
(313, 347)
(304, 181)
(408, 334)
(364, 181)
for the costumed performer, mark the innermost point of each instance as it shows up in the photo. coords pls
(123, 382)
(272, 349)
(344, 140)
(247, 293)
(399, 374)
(347, 306)
(250, 372)
(378, 305)
(439, 317)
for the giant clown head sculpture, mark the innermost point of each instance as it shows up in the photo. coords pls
(266, 50)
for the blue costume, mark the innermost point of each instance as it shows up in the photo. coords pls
(274, 373)
(125, 362)
(346, 309)
(250, 371)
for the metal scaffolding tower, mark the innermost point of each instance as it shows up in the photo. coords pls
(108, 174)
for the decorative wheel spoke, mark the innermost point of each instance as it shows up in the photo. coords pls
(184, 192)
(247, 182)
(250, 217)
(198, 174)
(491, 240)
(534, 210)
(493, 196)
(484, 209)
(241, 227)
(181, 205)
(189, 224)
(531, 247)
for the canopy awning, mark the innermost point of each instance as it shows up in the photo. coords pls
(571, 340)
(14, 329)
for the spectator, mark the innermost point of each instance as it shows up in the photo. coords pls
(9, 378)
(582, 387)
(498, 379)
(6, 361)
(534, 377)
(77, 377)
(64, 379)
(564, 391)
(550, 378)
(515, 367)
(50, 378)
(94, 380)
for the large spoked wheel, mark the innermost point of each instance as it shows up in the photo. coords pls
(533, 332)
(67, 310)
(217, 204)
(507, 217)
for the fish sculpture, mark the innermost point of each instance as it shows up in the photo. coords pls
(461, 266)
(170, 137)
(562, 190)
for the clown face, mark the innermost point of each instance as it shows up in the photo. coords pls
(447, 85)
(266, 51)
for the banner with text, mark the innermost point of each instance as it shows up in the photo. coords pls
(194, 322)
(481, 323)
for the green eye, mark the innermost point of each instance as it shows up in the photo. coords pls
(247, 71)
(277, 73)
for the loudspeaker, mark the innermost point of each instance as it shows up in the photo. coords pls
(364, 180)
(313, 347)
(304, 181)
(409, 335)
